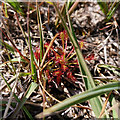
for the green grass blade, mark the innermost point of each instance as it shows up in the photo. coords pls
(112, 11)
(104, 7)
(33, 69)
(89, 82)
(111, 68)
(12, 79)
(79, 98)
(69, 3)
(30, 90)
(24, 74)
(14, 60)
(16, 6)
(41, 34)
(6, 14)
(96, 103)
(17, 99)
(22, 30)
(10, 48)
(115, 111)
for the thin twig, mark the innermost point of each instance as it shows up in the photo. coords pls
(73, 7)
(48, 93)
(12, 93)
(104, 106)
(51, 43)
(24, 35)
(10, 39)
(111, 108)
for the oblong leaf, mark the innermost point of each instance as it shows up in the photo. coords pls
(79, 98)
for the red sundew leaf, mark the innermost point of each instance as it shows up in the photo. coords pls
(49, 52)
(58, 60)
(64, 38)
(91, 57)
(47, 44)
(48, 76)
(70, 52)
(66, 35)
(57, 56)
(63, 35)
(66, 45)
(70, 76)
(81, 43)
(60, 50)
(58, 74)
(74, 66)
(73, 79)
(64, 67)
(37, 53)
(75, 62)
(61, 60)
(58, 80)
(36, 56)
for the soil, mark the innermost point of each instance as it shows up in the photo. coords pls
(102, 45)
